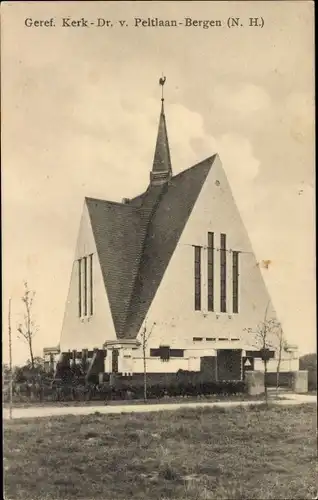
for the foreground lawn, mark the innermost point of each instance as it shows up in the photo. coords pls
(218, 453)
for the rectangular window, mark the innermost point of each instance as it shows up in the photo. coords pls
(85, 285)
(79, 287)
(91, 301)
(197, 278)
(211, 339)
(197, 339)
(223, 272)
(165, 353)
(177, 353)
(258, 354)
(210, 271)
(235, 265)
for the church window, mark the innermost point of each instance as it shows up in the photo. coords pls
(177, 353)
(235, 265)
(210, 271)
(165, 353)
(91, 301)
(85, 285)
(197, 278)
(223, 272)
(79, 287)
(155, 352)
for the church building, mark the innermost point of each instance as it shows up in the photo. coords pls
(170, 276)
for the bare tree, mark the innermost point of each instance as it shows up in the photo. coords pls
(264, 335)
(28, 328)
(280, 347)
(145, 335)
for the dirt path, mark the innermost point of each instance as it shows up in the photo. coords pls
(51, 411)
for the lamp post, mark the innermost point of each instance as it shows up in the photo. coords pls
(10, 360)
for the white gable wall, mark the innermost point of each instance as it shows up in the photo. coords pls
(89, 332)
(173, 306)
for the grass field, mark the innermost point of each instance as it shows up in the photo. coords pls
(220, 453)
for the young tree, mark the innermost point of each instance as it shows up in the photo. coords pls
(28, 329)
(145, 335)
(264, 336)
(280, 344)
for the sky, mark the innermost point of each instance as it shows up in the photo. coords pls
(80, 109)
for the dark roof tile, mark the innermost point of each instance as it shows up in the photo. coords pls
(135, 242)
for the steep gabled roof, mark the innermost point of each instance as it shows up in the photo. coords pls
(116, 228)
(136, 241)
(164, 229)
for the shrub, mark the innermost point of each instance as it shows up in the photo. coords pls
(182, 386)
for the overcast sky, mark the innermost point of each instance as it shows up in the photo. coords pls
(79, 118)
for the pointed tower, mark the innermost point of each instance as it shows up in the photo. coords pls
(161, 168)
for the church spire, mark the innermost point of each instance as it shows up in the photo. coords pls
(161, 168)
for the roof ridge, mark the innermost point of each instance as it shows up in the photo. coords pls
(110, 202)
(145, 229)
(196, 165)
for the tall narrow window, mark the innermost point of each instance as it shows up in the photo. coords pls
(197, 278)
(210, 271)
(79, 287)
(235, 265)
(223, 272)
(85, 285)
(91, 301)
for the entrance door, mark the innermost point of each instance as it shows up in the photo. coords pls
(229, 364)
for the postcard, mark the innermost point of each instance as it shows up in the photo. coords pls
(158, 246)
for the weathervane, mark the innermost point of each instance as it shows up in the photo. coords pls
(162, 81)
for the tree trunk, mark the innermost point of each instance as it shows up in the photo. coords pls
(265, 381)
(278, 364)
(277, 378)
(145, 374)
(31, 353)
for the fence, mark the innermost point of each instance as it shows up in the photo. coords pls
(285, 380)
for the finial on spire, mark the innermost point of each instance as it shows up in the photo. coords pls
(162, 81)
(161, 168)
